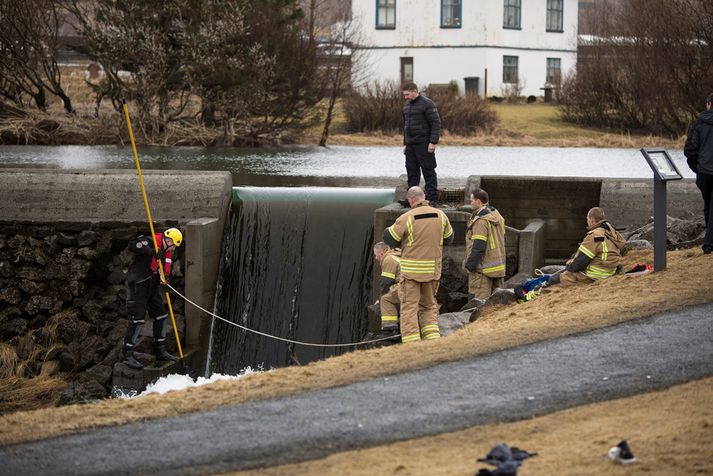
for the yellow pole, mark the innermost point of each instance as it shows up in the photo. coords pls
(153, 234)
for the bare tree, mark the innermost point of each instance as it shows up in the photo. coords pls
(29, 49)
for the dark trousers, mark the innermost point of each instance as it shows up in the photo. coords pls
(419, 160)
(705, 184)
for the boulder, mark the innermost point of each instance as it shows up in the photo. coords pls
(12, 327)
(42, 303)
(86, 238)
(499, 296)
(82, 392)
(472, 304)
(70, 329)
(450, 322)
(11, 296)
(99, 373)
(66, 239)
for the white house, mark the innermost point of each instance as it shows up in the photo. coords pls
(486, 46)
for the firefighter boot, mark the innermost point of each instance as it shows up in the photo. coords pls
(159, 339)
(160, 352)
(131, 361)
(132, 335)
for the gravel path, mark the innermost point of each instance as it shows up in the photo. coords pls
(513, 384)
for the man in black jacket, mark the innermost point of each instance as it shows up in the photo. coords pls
(422, 129)
(699, 155)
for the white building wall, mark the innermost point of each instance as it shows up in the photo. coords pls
(442, 55)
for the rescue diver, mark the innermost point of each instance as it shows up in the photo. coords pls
(144, 289)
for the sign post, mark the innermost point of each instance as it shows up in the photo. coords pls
(664, 170)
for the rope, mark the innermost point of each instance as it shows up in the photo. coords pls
(271, 336)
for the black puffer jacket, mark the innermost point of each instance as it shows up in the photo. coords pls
(699, 144)
(421, 121)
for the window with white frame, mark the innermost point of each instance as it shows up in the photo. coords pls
(554, 71)
(510, 69)
(511, 14)
(555, 13)
(386, 14)
(406, 69)
(451, 13)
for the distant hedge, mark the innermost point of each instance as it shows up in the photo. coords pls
(378, 107)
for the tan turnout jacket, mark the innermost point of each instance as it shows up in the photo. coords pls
(391, 265)
(489, 228)
(421, 232)
(603, 244)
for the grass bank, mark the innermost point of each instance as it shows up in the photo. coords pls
(561, 312)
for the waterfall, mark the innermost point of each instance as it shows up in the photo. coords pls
(297, 264)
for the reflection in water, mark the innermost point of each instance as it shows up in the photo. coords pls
(296, 264)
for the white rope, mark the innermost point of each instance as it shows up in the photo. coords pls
(271, 336)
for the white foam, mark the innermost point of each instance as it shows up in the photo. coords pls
(175, 382)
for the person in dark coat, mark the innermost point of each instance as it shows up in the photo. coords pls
(144, 290)
(699, 155)
(422, 129)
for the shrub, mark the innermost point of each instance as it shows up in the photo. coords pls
(379, 108)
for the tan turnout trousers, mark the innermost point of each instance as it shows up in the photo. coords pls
(419, 310)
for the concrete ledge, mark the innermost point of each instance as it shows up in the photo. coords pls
(95, 195)
(531, 250)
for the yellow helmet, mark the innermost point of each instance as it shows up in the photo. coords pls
(175, 235)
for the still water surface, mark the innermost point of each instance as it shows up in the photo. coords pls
(345, 165)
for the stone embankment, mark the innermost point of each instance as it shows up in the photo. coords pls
(62, 302)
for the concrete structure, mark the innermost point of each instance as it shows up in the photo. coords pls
(508, 45)
(196, 201)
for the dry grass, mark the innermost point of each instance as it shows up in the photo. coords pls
(8, 360)
(19, 394)
(559, 313)
(669, 431)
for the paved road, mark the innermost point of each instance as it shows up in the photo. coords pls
(509, 385)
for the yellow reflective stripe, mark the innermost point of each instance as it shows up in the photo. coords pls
(605, 250)
(435, 335)
(419, 271)
(599, 273)
(409, 231)
(492, 269)
(479, 237)
(390, 318)
(418, 261)
(586, 251)
(410, 338)
(393, 233)
(491, 238)
(429, 328)
(444, 235)
(388, 275)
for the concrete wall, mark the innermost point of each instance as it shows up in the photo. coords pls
(196, 202)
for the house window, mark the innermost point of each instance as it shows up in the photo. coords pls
(511, 16)
(554, 71)
(386, 14)
(406, 69)
(555, 13)
(510, 69)
(451, 13)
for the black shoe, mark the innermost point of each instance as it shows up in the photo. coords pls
(161, 354)
(621, 453)
(707, 249)
(404, 203)
(131, 361)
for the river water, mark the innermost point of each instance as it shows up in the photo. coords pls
(346, 166)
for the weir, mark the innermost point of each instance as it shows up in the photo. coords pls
(296, 264)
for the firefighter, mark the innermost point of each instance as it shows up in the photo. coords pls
(597, 256)
(390, 260)
(484, 247)
(421, 233)
(144, 289)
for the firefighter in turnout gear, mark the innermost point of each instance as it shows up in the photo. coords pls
(144, 289)
(390, 261)
(597, 256)
(421, 233)
(484, 247)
